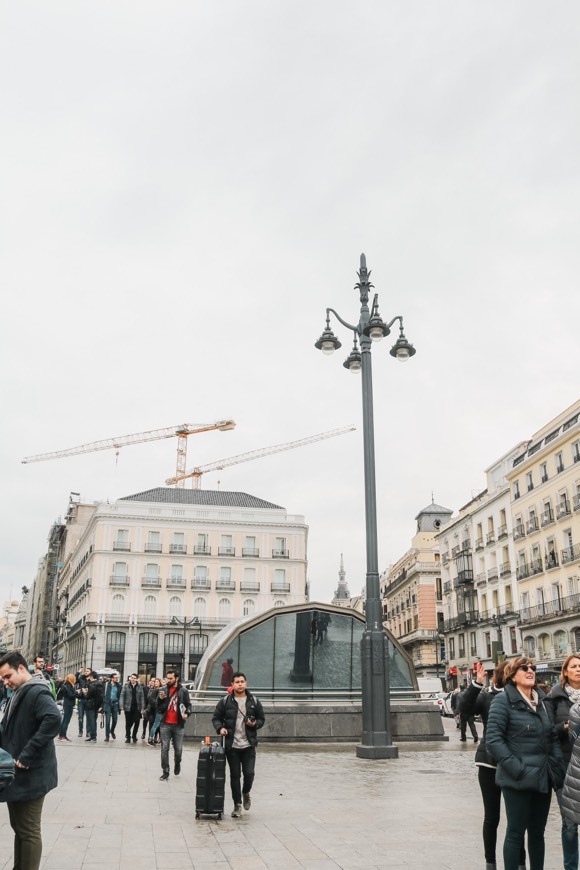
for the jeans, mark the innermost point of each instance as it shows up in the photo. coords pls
(569, 839)
(91, 716)
(526, 810)
(111, 716)
(171, 734)
(81, 712)
(67, 711)
(132, 719)
(155, 727)
(241, 761)
(25, 819)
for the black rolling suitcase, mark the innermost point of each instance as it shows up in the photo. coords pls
(211, 781)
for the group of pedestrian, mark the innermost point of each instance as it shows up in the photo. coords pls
(528, 751)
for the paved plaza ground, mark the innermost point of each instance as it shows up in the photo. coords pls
(319, 808)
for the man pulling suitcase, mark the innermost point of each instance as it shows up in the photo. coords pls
(237, 717)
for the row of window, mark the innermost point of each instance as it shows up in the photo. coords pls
(202, 547)
(485, 644)
(201, 574)
(119, 606)
(558, 466)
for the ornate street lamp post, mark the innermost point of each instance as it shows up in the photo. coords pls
(92, 639)
(376, 740)
(185, 622)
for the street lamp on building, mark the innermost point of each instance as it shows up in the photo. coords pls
(439, 651)
(92, 639)
(186, 623)
(498, 620)
(376, 740)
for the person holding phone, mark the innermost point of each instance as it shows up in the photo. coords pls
(521, 738)
(237, 717)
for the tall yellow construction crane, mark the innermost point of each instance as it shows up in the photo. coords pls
(181, 432)
(196, 473)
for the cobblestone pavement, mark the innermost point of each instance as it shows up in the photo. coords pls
(319, 808)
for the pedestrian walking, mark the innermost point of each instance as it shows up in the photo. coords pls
(465, 720)
(476, 701)
(238, 716)
(31, 722)
(174, 704)
(67, 694)
(562, 698)
(81, 683)
(132, 702)
(94, 699)
(154, 716)
(521, 739)
(111, 701)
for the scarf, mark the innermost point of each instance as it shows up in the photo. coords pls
(573, 694)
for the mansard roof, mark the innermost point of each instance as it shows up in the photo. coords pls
(172, 495)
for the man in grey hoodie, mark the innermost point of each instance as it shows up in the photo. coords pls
(29, 725)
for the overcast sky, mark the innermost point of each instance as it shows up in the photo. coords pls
(185, 187)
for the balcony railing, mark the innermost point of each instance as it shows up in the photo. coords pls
(200, 583)
(502, 532)
(490, 538)
(229, 585)
(122, 546)
(492, 573)
(226, 551)
(201, 550)
(547, 517)
(249, 586)
(153, 548)
(577, 501)
(481, 579)
(151, 582)
(532, 525)
(279, 587)
(536, 566)
(522, 571)
(119, 580)
(280, 554)
(570, 554)
(551, 608)
(464, 577)
(177, 548)
(504, 569)
(479, 544)
(519, 532)
(176, 583)
(563, 510)
(552, 560)
(250, 551)
(447, 586)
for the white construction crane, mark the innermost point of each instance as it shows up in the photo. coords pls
(181, 432)
(196, 473)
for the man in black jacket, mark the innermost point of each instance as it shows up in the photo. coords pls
(30, 724)
(94, 699)
(238, 716)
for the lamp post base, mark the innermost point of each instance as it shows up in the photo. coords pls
(365, 751)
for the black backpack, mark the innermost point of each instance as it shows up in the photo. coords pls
(7, 769)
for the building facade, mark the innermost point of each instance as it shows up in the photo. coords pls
(153, 576)
(411, 592)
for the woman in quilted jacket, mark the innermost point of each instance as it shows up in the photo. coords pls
(521, 738)
(562, 698)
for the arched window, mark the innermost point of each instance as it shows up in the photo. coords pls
(116, 641)
(577, 639)
(279, 603)
(544, 645)
(530, 646)
(560, 643)
(118, 604)
(200, 607)
(175, 605)
(173, 644)
(148, 642)
(248, 607)
(224, 608)
(150, 605)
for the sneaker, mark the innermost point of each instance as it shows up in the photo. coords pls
(60, 738)
(128, 740)
(237, 811)
(134, 740)
(68, 740)
(247, 801)
(88, 739)
(463, 740)
(150, 742)
(177, 768)
(164, 775)
(113, 735)
(106, 739)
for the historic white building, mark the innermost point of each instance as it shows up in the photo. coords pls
(148, 579)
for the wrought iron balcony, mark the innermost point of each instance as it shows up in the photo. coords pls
(570, 554)
(481, 579)
(522, 571)
(122, 546)
(249, 586)
(280, 554)
(502, 532)
(226, 551)
(577, 501)
(547, 517)
(250, 551)
(505, 569)
(228, 585)
(200, 583)
(153, 548)
(279, 587)
(563, 510)
(151, 582)
(532, 525)
(519, 532)
(490, 538)
(479, 544)
(201, 550)
(119, 580)
(536, 566)
(176, 583)
(492, 573)
(177, 548)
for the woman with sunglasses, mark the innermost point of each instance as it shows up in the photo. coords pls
(521, 738)
(562, 698)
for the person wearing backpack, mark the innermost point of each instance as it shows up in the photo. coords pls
(238, 716)
(31, 722)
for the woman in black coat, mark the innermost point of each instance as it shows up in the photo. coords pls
(67, 694)
(520, 737)
(562, 698)
(476, 701)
